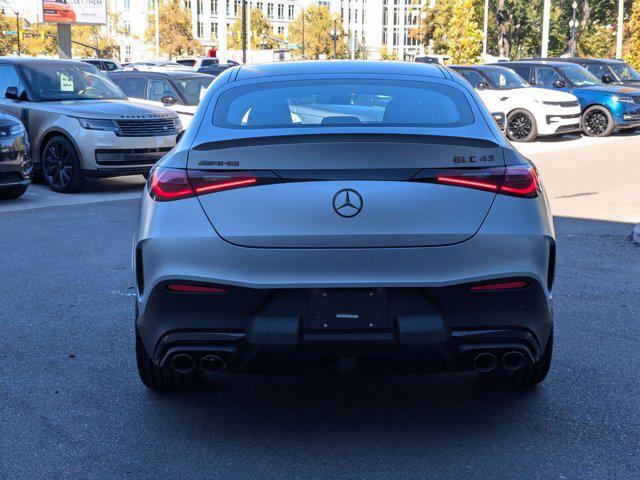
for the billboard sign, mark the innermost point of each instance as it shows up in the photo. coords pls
(75, 11)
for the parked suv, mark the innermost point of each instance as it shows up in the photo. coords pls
(178, 90)
(605, 108)
(530, 111)
(106, 65)
(15, 160)
(608, 70)
(81, 124)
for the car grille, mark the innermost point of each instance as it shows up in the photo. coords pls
(148, 127)
(138, 156)
(567, 104)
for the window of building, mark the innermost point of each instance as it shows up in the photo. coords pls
(259, 6)
(199, 7)
(280, 11)
(214, 7)
(237, 7)
(270, 10)
(214, 30)
(280, 31)
(200, 29)
(127, 5)
(228, 7)
(187, 4)
(291, 11)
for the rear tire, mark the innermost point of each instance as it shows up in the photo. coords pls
(530, 375)
(12, 192)
(521, 126)
(597, 122)
(156, 378)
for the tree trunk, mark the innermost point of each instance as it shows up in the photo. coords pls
(503, 42)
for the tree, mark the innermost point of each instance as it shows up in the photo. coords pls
(259, 26)
(450, 27)
(317, 33)
(176, 38)
(633, 45)
(464, 36)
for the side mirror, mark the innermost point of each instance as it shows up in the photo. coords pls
(168, 100)
(559, 83)
(12, 93)
(482, 85)
(606, 78)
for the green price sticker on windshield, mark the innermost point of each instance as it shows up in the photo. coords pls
(66, 83)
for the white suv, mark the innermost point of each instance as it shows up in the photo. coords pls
(81, 124)
(530, 111)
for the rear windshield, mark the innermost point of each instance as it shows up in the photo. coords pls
(353, 103)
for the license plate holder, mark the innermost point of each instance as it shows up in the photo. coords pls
(348, 309)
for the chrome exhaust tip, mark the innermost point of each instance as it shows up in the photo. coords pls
(183, 363)
(485, 362)
(513, 361)
(212, 364)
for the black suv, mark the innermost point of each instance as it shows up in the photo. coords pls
(15, 159)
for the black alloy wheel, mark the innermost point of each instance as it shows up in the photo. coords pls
(60, 166)
(597, 122)
(521, 126)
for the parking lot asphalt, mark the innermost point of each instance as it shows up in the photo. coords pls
(71, 405)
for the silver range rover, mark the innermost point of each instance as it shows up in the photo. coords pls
(81, 124)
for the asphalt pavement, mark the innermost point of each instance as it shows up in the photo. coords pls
(72, 407)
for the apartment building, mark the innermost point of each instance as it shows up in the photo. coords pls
(368, 24)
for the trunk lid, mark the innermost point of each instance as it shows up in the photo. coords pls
(346, 191)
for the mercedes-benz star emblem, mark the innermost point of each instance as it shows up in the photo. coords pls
(347, 203)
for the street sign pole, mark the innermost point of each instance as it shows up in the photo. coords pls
(620, 20)
(64, 40)
(545, 28)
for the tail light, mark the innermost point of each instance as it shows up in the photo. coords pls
(517, 181)
(492, 287)
(189, 288)
(173, 184)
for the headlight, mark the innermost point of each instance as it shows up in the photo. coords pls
(178, 124)
(623, 99)
(96, 124)
(16, 130)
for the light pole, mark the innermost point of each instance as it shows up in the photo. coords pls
(573, 24)
(17, 14)
(485, 29)
(546, 14)
(157, 12)
(334, 37)
(620, 31)
(244, 31)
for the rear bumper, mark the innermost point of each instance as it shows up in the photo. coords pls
(431, 310)
(436, 329)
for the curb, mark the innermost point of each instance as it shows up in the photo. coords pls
(635, 235)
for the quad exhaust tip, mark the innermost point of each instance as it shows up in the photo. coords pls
(183, 363)
(513, 361)
(212, 364)
(485, 362)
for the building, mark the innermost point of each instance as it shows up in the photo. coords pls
(369, 25)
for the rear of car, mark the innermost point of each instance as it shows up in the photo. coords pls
(15, 158)
(346, 216)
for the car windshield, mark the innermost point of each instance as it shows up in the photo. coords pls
(353, 103)
(579, 76)
(504, 79)
(194, 88)
(625, 72)
(69, 81)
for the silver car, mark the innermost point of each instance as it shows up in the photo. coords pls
(80, 123)
(343, 215)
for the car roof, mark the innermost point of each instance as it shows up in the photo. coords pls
(484, 66)
(338, 67)
(590, 60)
(168, 73)
(31, 60)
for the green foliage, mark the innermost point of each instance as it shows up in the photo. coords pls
(453, 29)
(176, 38)
(259, 26)
(317, 33)
(633, 44)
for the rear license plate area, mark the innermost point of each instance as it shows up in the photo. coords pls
(348, 309)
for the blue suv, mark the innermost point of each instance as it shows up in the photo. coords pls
(605, 108)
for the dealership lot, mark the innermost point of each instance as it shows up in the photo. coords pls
(72, 405)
